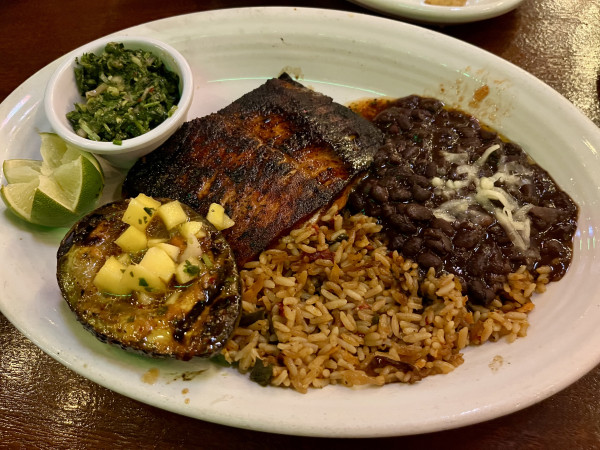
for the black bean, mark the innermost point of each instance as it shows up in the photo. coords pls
(479, 293)
(399, 194)
(512, 158)
(443, 225)
(564, 202)
(542, 218)
(356, 201)
(496, 263)
(395, 159)
(471, 143)
(402, 171)
(381, 157)
(433, 233)
(418, 212)
(529, 192)
(437, 241)
(404, 123)
(420, 166)
(397, 242)
(553, 248)
(431, 104)
(387, 116)
(388, 179)
(420, 180)
(480, 218)
(420, 194)
(511, 148)
(478, 263)
(421, 114)
(367, 185)
(410, 152)
(467, 132)
(517, 257)
(379, 193)
(430, 170)
(388, 209)
(410, 101)
(372, 210)
(429, 259)
(403, 223)
(446, 137)
(458, 118)
(412, 246)
(562, 230)
(487, 134)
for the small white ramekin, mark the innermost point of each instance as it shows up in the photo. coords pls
(62, 94)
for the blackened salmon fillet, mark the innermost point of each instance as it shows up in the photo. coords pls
(272, 158)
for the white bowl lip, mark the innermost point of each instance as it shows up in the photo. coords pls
(168, 127)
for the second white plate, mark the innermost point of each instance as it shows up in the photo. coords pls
(419, 11)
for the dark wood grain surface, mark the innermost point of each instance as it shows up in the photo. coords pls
(45, 405)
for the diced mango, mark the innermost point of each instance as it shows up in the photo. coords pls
(169, 249)
(157, 261)
(216, 215)
(187, 270)
(140, 210)
(132, 240)
(192, 228)
(139, 278)
(154, 241)
(109, 278)
(172, 214)
(148, 201)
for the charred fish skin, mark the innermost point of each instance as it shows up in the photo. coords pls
(271, 158)
(196, 324)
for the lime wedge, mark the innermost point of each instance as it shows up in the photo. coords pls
(21, 170)
(19, 197)
(56, 191)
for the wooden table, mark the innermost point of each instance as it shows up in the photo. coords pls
(45, 405)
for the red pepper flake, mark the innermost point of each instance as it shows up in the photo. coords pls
(323, 254)
(280, 308)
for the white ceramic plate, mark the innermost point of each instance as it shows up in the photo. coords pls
(350, 57)
(419, 11)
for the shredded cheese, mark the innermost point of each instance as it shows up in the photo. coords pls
(511, 216)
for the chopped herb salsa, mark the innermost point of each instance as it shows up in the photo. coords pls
(128, 93)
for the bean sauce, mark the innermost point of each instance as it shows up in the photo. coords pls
(454, 195)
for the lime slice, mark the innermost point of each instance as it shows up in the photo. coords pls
(56, 191)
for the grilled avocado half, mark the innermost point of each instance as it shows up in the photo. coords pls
(152, 276)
